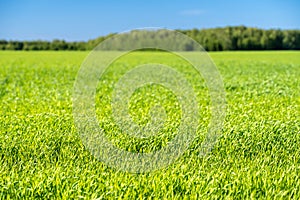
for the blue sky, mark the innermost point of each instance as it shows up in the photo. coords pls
(75, 20)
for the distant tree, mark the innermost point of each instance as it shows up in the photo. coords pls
(214, 39)
(58, 45)
(3, 44)
(291, 40)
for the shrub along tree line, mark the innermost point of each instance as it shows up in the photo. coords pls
(214, 39)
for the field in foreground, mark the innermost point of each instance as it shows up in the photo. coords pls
(257, 156)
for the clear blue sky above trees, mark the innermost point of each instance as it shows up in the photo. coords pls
(75, 20)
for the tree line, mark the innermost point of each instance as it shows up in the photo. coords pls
(213, 39)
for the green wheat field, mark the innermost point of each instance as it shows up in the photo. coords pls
(256, 157)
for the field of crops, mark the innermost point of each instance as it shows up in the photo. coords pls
(257, 155)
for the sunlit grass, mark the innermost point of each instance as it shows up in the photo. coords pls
(257, 156)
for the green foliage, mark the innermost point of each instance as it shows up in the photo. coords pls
(215, 39)
(246, 38)
(257, 157)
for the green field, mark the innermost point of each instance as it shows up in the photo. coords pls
(257, 156)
